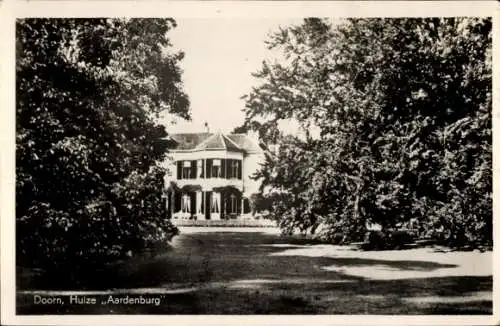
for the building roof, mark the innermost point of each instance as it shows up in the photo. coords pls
(218, 141)
(189, 140)
(215, 141)
(245, 142)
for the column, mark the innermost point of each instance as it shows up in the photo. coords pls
(242, 205)
(224, 204)
(199, 168)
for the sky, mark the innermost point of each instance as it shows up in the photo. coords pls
(220, 55)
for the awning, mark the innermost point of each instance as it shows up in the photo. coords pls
(227, 189)
(190, 188)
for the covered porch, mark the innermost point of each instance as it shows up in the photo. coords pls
(192, 202)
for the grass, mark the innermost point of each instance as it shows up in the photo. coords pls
(254, 271)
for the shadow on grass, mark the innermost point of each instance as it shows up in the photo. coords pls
(209, 257)
(237, 273)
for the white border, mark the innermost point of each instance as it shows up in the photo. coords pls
(496, 165)
(9, 10)
(252, 9)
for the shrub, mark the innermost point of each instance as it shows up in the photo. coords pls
(375, 240)
(399, 239)
(104, 231)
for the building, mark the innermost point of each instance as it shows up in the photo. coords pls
(212, 176)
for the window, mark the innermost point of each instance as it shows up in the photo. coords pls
(216, 169)
(186, 204)
(179, 169)
(199, 202)
(233, 204)
(186, 170)
(234, 169)
(215, 203)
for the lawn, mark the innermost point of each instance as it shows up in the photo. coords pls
(255, 271)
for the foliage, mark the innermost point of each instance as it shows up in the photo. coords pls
(88, 91)
(146, 208)
(243, 129)
(404, 112)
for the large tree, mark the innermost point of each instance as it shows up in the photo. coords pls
(404, 109)
(88, 93)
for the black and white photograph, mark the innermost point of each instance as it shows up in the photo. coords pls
(253, 166)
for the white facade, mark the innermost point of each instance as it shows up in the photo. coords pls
(211, 176)
(251, 164)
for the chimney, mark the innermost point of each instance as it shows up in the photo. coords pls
(207, 129)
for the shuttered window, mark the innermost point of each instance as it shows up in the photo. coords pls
(223, 168)
(202, 203)
(216, 168)
(229, 174)
(193, 170)
(208, 168)
(179, 170)
(234, 168)
(186, 169)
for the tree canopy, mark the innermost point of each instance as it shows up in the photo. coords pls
(404, 112)
(88, 92)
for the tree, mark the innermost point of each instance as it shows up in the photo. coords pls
(88, 92)
(404, 109)
(243, 129)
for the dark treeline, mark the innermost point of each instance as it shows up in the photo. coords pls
(88, 90)
(403, 110)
